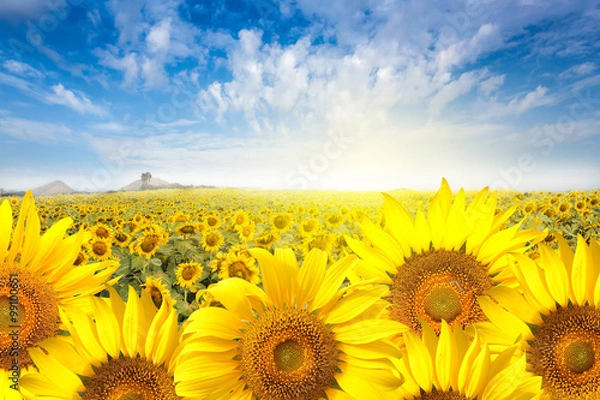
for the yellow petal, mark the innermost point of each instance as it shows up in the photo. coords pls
(419, 360)
(355, 303)
(334, 276)
(446, 359)
(555, 273)
(6, 222)
(311, 275)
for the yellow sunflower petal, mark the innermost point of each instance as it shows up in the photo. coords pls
(446, 359)
(6, 222)
(556, 275)
(355, 304)
(311, 275)
(582, 274)
(419, 360)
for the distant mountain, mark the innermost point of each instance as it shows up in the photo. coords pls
(52, 188)
(155, 183)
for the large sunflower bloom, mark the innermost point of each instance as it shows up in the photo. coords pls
(449, 367)
(437, 264)
(302, 338)
(128, 351)
(37, 276)
(555, 315)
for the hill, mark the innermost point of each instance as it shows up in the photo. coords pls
(155, 183)
(52, 188)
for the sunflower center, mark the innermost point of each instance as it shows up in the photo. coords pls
(156, 296)
(563, 352)
(238, 269)
(442, 303)
(101, 232)
(439, 284)
(579, 356)
(99, 248)
(28, 314)
(149, 244)
(188, 229)
(188, 273)
(211, 239)
(288, 354)
(130, 379)
(280, 222)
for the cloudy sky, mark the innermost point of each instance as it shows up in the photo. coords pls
(337, 94)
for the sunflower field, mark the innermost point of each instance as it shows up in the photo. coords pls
(300, 295)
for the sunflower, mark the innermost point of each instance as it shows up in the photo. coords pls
(281, 222)
(121, 238)
(436, 265)
(212, 241)
(322, 241)
(309, 226)
(529, 207)
(100, 249)
(246, 232)
(449, 367)
(334, 220)
(101, 231)
(147, 245)
(241, 218)
(158, 291)
(301, 338)
(240, 266)
(267, 240)
(187, 274)
(556, 318)
(127, 351)
(212, 221)
(37, 276)
(187, 229)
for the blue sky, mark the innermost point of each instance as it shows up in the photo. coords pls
(340, 94)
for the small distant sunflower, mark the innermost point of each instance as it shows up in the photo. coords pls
(241, 218)
(334, 220)
(302, 338)
(323, 241)
(187, 229)
(38, 276)
(212, 221)
(100, 249)
(448, 367)
(212, 241)
(281, 222)
(158, 291)
(556, 319)
(187, 274)
(121, 239)
(127, 351)
(436, 265)
(529, 207)
(267, 240)
(309, 226)
(246, 232)
(563, 208)
(239, 266)
(101, 231)
(147, 245)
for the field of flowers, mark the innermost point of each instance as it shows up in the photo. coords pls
(440, 295)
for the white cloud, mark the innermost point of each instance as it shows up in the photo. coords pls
(22, 69)
(453, 90)
(531, 100)
(159, 37)
(490, 85)
(79, 103)
(578, 70)
(18, 10)
(33, 131)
